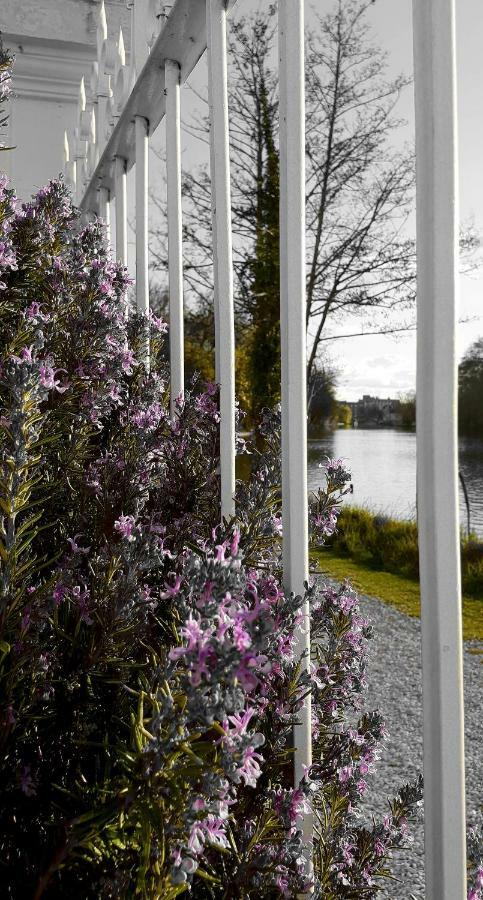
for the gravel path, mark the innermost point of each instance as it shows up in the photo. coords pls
(394, 687)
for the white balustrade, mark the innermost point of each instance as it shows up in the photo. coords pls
(222, 245)
(175, 240)
(127, 95)
(437, 448)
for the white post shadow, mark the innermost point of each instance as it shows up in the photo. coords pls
(142, 277)
(121, 210)
(222, 245)
(175, 239)
(294, 352)
(437, 448)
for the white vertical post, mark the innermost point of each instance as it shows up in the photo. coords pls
(142, 278)
(175, 240)
(121, 210)
(437, 449)
(222, 245)
(293, 349)
(105, 211)
(69, 167)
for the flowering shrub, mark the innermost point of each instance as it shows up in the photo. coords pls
(148, 685)
(475, 864)
(5, 83)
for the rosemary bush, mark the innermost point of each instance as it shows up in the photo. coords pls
(148, 681)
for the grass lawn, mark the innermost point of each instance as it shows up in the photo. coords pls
(403, 593)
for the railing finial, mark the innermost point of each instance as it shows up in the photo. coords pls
(66, 148)
(121, 50)
(101, 29)
(82, 96)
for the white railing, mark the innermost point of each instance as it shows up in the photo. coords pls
(128, 100)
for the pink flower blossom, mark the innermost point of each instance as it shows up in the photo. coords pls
(124, 525)
(215, 832)
(127, 361)
(157, 323)
(75, 546)
(34, 311)
(250, 770)
(171, 590)
(27, 785)
(48, 379)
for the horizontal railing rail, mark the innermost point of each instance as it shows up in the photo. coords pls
(182, 38)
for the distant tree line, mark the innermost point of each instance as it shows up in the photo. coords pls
(470, 394)
(470, 384)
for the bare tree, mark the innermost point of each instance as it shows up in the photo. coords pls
(360, 189)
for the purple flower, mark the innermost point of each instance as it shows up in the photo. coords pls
(379, 848)
(27, 784)
(239, 722)
(124, 525)
(127, 361)
(337, 472)
(34, 311)
(48, 379)
(25, 355)
(81, 598)
(215, 831)
(59, 592)
(157, 323)
(250, 770)
(235, 541)
(106, 288)
(75, 546)
(172, 590)
(345, 774)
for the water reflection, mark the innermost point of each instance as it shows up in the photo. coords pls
(383, 465)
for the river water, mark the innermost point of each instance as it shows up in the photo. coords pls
(383, 466)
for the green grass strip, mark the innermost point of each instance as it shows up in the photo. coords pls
(400, 592)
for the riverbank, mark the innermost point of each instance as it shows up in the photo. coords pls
(395, 590)
(391, 545)
(383, 466)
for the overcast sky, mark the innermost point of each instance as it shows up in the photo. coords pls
(381, 365)
(386, 366)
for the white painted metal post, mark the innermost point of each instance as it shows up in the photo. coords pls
(222, 244)
(293, 348)
(142, 146)
(437, 449)
(121, 210)
(175, 239)
(105, 211)
(142, 278)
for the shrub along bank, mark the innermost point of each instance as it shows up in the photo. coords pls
(391, 545)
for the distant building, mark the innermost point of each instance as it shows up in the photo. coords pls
(375, 411)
